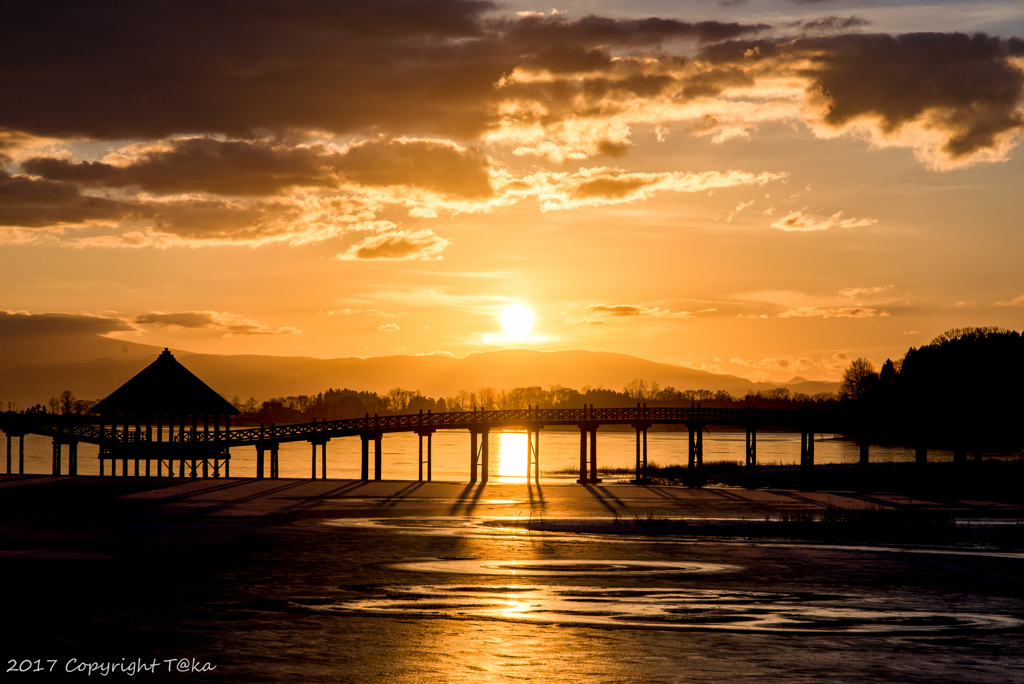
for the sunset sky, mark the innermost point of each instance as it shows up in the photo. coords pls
(766, 188)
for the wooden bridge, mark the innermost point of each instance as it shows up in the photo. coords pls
(197, 447)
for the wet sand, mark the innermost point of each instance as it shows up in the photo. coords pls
(294, 580)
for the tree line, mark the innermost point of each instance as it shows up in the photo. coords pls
(960, 391)
(338, 404)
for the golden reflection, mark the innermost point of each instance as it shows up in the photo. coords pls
(511, 456)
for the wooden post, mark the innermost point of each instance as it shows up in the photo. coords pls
(810, 450)
(365, 439)
(638, 470)
(583, 455)
(921, 454)
(259, 461)
(420, 461)
(73, 459)
(472, 457)
(206, 468)
(275, 460)
(377, 455)
(8, 454)
(803, 449)
(645, 453)
(485, 457)
(691, 461)
(536, 455)
(863, 451)
(314, 459)
(593, 454)
(21, 454)
(430, 454)
(529, 452)
(323, 460)
(56, 457)
(700, 446)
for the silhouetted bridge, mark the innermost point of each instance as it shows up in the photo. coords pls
(197, 446)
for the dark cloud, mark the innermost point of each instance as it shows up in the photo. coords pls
(34, 203)
(230, 325)
(831, 24)
(610, 188)
(398, 245)
(125, 69)
(17, 324)
(965, 84)
(263, 167)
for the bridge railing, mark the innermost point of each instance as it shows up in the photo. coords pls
(76, 429)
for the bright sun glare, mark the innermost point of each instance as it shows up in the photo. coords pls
(517, 319)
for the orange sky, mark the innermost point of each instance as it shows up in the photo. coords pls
(767, 188)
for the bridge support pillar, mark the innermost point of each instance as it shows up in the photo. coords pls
(473, 457)
(323, 460)
(583, 455)
(593, 455)
(275, 461)
(364, 473)
(73, 459)
(807, 450)
(692, 449)
(921, 454)
(21, 454)
(485, 456)
(56, 457)
(313, 476)
(259, 462)
(751, 447)
(429, 434)
(377, 456)
(8, 454)
(864, 455)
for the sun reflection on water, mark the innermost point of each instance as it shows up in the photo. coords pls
(509, 454)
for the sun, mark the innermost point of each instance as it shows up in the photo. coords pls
(517, 319)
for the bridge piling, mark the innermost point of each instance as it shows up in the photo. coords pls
(377, 456)
(473, 457)
(323, 460)
(313, 444)
(583, 455)
(73, 459)
(864, 456)
(8, 454)
(259, 462)
(56, 456)
(364, 457)
(485, 456)
(593, 455)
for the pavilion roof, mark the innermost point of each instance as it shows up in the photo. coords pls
(165, 387)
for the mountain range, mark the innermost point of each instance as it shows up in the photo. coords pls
(92, 366)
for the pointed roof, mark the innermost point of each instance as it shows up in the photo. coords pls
(165, 387)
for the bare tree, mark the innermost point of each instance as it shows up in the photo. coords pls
(857, 379)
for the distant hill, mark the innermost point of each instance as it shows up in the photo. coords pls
(28, 381)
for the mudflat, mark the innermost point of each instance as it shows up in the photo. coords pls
(332, 580)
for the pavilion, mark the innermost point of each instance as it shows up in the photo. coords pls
(166, 414)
